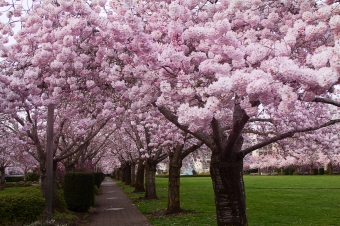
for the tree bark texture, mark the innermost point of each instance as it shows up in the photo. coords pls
(139, 184)
(120, 174)
(2, 175)
(226, 171)
(123, 174)
(226, 167)
(133, 174)
(174, 182)
(329, 168)
(127, 173)
(227, 178)
(150, 182)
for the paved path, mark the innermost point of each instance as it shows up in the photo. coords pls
(113, 207)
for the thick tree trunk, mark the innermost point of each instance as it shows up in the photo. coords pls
(329, 168)
(2, 175)
(120, 174)
(117, 173)
(123, 174)
(133, 174)
(227, 178)
(226, 171)
(174, 182)
(150, 179)
(139, 184)
(127, 173)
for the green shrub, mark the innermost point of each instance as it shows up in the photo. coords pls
(61, 200)
(32, 176)
(24, 207)
(65, 216)
(14, 179)
(18, 184)
(79, 191)
(315, 171)
(98, 178)
(96, 190)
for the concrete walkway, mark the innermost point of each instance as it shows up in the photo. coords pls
(113, 207)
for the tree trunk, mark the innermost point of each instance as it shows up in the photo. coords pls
(2, 175)
(43, 188)
(133, 174)
(174, 182)
(329, 168)
(127, 170)
(123, 174)
(116, 173)
(42, 178)
(150, 180)
(139, 184)
(120, 174)
(226, 171)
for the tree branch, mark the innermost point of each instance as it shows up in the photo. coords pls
(285, 135)
(326, 101)
(193, 148)
(205, 138)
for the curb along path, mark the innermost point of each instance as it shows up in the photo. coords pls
(115, 208)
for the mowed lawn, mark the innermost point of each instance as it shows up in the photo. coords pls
(271, 200)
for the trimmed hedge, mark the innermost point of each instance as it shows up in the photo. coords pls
(14, 179)
(32, 176)
(24, 207)
(79, 191)
(98, 178)
(17, 184)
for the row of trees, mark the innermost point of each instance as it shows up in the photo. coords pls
(147, 80)
(304, 162)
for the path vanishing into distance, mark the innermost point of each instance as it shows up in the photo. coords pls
(114, 208)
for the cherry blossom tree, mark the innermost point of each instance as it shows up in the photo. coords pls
(24, 159)
(226, 67)
(152, 143)
(5, 158)
(57, 59)
(218, 70)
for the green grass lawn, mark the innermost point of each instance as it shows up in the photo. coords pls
(12, 190)
(271, 200)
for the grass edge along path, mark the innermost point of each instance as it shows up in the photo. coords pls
(271, 201)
